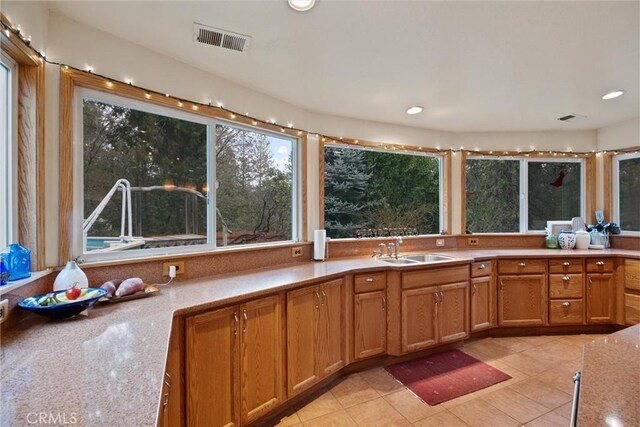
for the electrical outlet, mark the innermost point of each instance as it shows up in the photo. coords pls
(296, 252)
(473, 241)
(178, 264)
(440, 243)
(4, 310)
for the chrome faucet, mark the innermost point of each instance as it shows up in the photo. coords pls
(398, 243)
(389, 250)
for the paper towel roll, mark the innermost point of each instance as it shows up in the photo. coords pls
(319, 243)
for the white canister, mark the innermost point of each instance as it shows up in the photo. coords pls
(582, 239)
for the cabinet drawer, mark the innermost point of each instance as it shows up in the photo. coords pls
(370, 282)
(566, 311)
(434, 276)
(632, 274)
(565, 285)
(565, 265)
(522, 266)
(479, 269)
(631, 309)
(596, 265)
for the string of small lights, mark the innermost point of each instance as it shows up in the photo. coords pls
(15, 31)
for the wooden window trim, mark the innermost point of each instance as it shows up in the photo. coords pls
(71, 78)
(31, 140)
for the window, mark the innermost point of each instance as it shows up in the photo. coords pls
(373, 192)
(626, 178)
(149, 173)
(518, 195)
(8, 155)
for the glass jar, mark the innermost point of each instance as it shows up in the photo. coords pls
(4, 271)
(551, 241)
(18, 261)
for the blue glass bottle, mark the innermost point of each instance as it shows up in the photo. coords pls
(18, 260)
(4, 271)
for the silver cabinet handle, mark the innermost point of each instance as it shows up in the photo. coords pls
(324, 297)
(566, 264)
(371, 279)
(473, 289)
(566, 278)
(501, 284)
(521, 264)
(600, 263)
(590, 282)
(482, 266)
(435, 299)
(317, 299)
(441, 297)
(244, 323)
(384, 303)
(235, 323)
(566, 304)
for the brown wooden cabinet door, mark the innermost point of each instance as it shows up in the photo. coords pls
(331, 343)
(302, 333)
(260, 357)
(211, 368)
(370, 324)
(453, 312)
(522, 300)
(172, 415)
(419, 324)
(600, 296)
(482, 303)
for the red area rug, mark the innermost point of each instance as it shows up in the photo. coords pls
(445, 376)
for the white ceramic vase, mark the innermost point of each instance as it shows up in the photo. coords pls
(567, 240)
(69, 275)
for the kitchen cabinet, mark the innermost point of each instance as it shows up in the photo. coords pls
(369, 314)
(172, 389)
(483, 296)
(522, 292)
(435, 313)
(631, 291)
(600, 290)
(566, 290)
(315, 338)
(369, 324)
(234, 363)
(600, 298)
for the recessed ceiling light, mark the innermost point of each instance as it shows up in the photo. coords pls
(301, 5)
(613, 94)
(414, 110)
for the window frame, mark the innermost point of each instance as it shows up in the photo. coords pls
(524, 187)
(615, 200)
(441, 181)
(9, 219)
(82, 92)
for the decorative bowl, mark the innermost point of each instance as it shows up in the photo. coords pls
(62, 310)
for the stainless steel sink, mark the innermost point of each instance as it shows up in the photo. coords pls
(429, 258)
(397, 261)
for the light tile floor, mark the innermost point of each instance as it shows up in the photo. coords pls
(538, 394)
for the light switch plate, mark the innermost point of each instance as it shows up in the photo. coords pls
(440, 243)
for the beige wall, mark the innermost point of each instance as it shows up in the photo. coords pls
(78, 45)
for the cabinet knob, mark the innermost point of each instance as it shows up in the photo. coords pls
(566, 264)
(482, 266)
(566, 278)
(566, 304)
(521, 264)
(600, 263)
(370, 279)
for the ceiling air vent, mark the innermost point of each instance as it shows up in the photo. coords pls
(220, 38)
(571, 117)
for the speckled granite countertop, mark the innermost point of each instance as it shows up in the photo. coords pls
(610, 385)
(107, 369)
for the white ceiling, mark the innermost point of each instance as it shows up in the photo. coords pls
(474, 66)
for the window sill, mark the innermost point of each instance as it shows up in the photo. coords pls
(10, 286)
